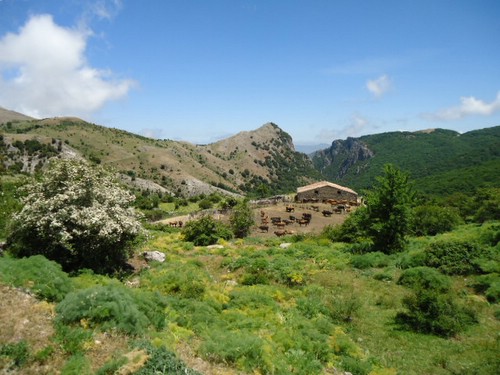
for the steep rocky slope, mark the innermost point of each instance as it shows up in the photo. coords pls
(239, 164)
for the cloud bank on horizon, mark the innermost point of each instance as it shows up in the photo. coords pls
(198, 71)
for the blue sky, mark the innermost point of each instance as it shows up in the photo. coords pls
(204, 70)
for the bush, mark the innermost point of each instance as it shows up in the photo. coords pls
(489, 285)
(352, 230)
(205, 231)
(42, 276)
(454, 257)
(430, 220)
(241, 219)
(113, 307)
(9, 203)
(185, 280)
(375, 259)
(233, 347)
(488, 201)
(77, 364)
(425, 278)
(431, 312)
(18, 353)
(72, 340)
(78, 216)
(162, 361)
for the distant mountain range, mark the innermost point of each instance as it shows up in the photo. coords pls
(440, 161)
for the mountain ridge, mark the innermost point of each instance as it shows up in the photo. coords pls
(263, 160)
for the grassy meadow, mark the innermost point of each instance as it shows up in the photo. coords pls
(246, 306)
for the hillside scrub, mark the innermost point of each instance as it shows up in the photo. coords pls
(78, 216)
(206, 231)
(43, 277)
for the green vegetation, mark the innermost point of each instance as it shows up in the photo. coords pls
(206, 231)
(78, 216)
(41, 276)
(402, 286)
(241, 219)
(440, 161)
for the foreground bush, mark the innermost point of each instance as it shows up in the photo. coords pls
(163, 361)
(425, 278)
(430, 220)
(42, 276)
(455, 257)
(431, 312)
(78, 216)
(205, 231)
(113, 307)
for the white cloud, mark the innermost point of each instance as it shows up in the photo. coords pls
(468, 106)
(356, 126)
(379, 86)
(44, 73)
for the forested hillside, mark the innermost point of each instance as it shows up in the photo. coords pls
(440, 161)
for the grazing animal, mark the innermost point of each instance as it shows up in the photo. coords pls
(307, 216)
(290, 209)
(327, 213)
(280, 225)
(281, 233)
(264, 228)
(303, 222)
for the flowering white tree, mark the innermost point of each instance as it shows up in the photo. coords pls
(78, 216)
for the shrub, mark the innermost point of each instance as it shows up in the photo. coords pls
(425, 278)
(9, 202)
(431, 312)
(186, 280)
(355, 365)
(493, 292)
(113, 307)
(42, 276)
(162, 361)
(233, 347)
(489, 285)
(72, 340)
(430, 220)
(77, 364)
(488, 201)
(375, 259)
(454, 257)
(352, 230)
(205, 231)
(78, 216)
(241, 219)
(18, 353)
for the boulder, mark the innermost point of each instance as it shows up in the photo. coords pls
(154, 256)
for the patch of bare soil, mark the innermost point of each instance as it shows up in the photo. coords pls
(315, 226)
(24, 318)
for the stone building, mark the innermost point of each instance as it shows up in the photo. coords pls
(323, 191)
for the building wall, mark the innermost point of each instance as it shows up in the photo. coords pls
(324, 193)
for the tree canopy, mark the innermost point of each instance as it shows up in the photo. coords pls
(77, 215)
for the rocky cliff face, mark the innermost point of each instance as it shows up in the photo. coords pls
(342, 156)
